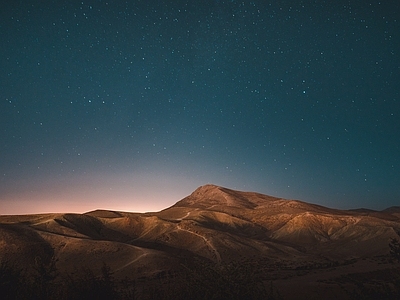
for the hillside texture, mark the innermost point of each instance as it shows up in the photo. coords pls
(287, 243)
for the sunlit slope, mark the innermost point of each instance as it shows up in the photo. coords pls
(213, 223)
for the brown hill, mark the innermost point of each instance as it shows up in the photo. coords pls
(213, 225)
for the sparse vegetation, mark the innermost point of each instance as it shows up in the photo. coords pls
(47, 283)
(201, 281)
(44, 276)
(382, 284)
(11, 281)
(236, 280)
(89, 286)
(394, 246)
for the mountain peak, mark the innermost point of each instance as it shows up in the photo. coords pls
(205, 189)
(210, 196)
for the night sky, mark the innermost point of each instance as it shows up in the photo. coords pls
(133, 105)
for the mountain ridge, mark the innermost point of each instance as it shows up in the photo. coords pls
(213, 224)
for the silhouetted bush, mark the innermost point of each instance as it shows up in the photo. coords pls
(45, 282)
(90, 286)
(236, 280)
(394, 246)
(380, 284)
(11, 281)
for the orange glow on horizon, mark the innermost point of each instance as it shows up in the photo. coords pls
(80, 196)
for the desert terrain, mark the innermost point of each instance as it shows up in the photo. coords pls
(215, 243)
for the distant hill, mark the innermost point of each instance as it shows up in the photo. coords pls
(287, 240)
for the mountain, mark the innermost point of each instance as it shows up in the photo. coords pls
(289, 243)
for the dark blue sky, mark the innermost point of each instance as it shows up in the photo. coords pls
(132, 105)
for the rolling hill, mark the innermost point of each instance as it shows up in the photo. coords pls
(288, 242)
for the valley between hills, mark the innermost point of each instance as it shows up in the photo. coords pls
(216, 243)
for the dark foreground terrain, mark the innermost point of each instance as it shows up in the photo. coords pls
(216, 243)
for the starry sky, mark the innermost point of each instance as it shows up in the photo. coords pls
(131, 105)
